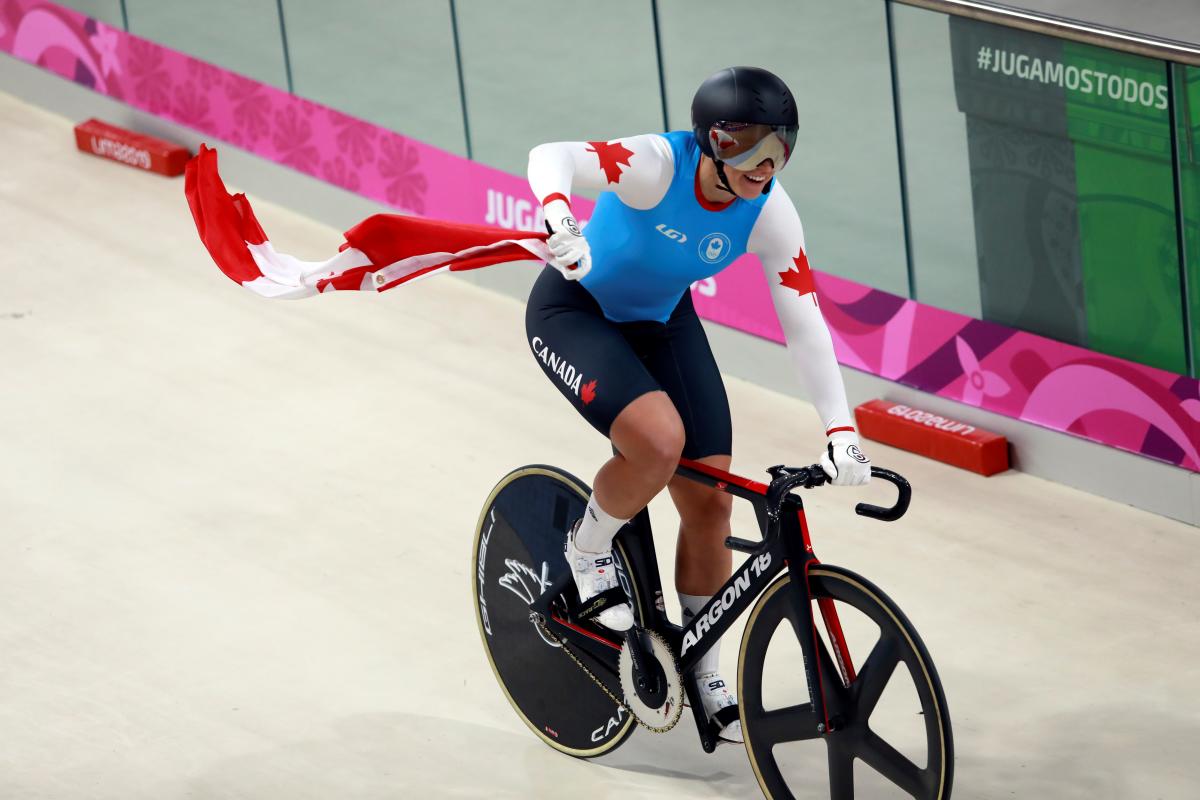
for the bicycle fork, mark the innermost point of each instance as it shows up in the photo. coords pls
(824, 678)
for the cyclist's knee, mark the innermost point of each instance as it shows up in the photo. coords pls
(707, 507)
(667, 447)
(650, 433)
(660, 448)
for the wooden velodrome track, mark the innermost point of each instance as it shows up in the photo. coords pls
(236, 534)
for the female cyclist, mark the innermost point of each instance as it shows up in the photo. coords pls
(620, 339)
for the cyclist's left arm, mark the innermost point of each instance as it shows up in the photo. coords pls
(778, 240)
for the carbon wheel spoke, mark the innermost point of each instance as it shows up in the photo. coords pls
(874, 676)
(892, 764)
(792, 724)
(841, 773)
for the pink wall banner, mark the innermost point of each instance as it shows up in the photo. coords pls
(311, 138)
(1006, 371)
(1002, 370)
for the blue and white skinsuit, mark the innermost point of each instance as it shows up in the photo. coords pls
(629, 327)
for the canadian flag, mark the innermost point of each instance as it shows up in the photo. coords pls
(382, 251)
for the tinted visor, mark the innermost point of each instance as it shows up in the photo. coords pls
(745, 145)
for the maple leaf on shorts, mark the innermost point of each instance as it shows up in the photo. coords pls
(588, 391)
(800, 278)
(611, 156)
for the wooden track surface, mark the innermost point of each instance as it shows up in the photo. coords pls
(235, 540)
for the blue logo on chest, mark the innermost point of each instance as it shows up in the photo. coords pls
(714, 247)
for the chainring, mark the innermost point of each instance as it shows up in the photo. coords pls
(665, 716)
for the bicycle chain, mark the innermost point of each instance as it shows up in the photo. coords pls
(540, 622)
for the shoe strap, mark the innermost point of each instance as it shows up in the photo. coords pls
(607, 599)
(727, 715)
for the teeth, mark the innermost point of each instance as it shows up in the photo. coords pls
(756, 180)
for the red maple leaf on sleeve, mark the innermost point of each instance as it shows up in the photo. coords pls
(800, 278)
(611, 156)
(588, 391)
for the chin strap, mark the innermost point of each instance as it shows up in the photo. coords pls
(722, 181)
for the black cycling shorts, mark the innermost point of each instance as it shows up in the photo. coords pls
(602, 366)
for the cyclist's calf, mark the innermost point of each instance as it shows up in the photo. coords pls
(702, 563)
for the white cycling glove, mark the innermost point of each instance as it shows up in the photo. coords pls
(569, 250)
(844, 462)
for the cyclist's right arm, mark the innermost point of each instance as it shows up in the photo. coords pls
(637, 168)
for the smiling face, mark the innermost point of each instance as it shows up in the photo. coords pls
(749, 184)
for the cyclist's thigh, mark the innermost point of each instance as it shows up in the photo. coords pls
(680, 359)
(582, 353)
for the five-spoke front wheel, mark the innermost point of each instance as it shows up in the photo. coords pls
(889, 714)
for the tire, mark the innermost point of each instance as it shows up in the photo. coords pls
(853, 738)
(518, 551)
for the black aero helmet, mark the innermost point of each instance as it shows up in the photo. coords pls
(745, 114)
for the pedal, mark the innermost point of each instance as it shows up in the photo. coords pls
(609, 597)
(724, 717)
(714, 735)
(560, 595)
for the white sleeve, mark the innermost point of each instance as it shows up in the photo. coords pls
(638, 169)
(778, 240)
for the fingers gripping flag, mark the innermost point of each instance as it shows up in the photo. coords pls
(382, 251)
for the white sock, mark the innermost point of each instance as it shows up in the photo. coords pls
(596, 532)
(691, 605)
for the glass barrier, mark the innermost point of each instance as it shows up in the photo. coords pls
(1071, 193)
(1128, 237)
(542, 71)
(937, 164)
(367, 70)
(1041, 186)
(107, 11)
(1187, 115)
(241, 35)
(845, 177)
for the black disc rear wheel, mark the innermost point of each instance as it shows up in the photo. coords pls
(518, 555)
(891, 717)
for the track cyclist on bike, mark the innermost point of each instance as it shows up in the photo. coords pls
(620, 339)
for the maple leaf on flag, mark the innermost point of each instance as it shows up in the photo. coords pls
(800, 278)
(611, 156)
(588, 391)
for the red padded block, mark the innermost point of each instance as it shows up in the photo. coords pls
(933, 436)
(133, 149)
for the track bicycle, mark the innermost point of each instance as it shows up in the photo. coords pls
(582, 688)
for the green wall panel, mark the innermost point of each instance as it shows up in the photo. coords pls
(1126, 200)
